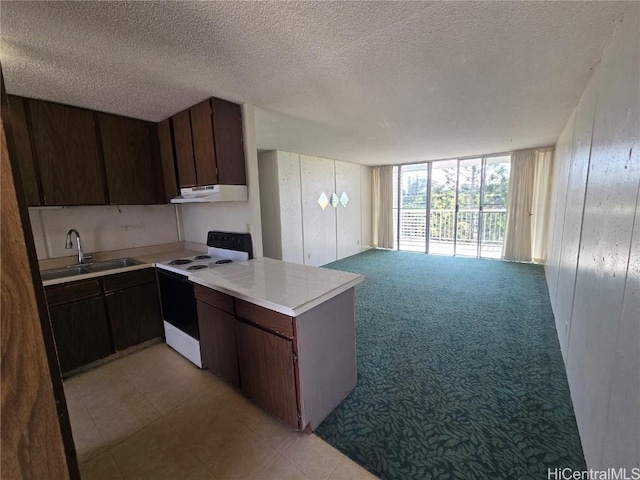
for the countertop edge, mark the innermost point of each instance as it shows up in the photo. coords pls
(148, 260)
(89, 276)
(291, 312)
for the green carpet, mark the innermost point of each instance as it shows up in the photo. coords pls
(460, 374)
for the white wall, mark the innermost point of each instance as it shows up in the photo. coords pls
(198, 219)
(281, 206)
(593, 271)
(270, 203)
(102, 228)
(290, 235)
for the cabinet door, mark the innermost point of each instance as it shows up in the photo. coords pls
(165, 147)
(227, 131)
(134, 314)
(23, 149)
(81, 332)
(267, 371)
(66, 151)
(131, 160)
(218, 342)
(181, 123)
(348, 217)
(203, 150)
(318, 226)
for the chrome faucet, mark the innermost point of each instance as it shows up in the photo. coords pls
(69, 245)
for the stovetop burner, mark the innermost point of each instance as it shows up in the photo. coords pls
(197, 267)
(223, 248)
(179, 261)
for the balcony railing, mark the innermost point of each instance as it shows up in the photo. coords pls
(492, 224)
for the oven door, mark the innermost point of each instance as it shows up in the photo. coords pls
(178, 302)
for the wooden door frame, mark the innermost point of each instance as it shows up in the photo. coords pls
(36, 432)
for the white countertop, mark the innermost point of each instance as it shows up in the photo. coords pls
(288, 288)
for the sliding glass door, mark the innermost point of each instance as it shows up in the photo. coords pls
(468, 207)
(442, 217)
(414, 181)
(494, 205)
(396, 205)
(463, 200)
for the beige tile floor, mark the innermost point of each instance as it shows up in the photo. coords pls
(153, 415)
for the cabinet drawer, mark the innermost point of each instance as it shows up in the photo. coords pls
(265, 318)
(214, 298)
(71, 292)
(128, 279)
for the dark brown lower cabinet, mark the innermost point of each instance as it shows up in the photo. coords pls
(297, 368)
(218, 342)
(94, 318)
(134, 314)
(267, 371)
(81, 332)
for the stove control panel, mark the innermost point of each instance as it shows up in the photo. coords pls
(240, 242)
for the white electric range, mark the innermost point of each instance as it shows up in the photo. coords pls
(176, 290)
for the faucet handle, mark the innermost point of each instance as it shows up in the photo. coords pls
(88, 256)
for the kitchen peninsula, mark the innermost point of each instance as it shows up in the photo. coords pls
(281, 332)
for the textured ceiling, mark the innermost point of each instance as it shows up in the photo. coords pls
(372, 82)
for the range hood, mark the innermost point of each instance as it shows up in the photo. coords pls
(212, 193)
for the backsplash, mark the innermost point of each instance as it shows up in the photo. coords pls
(102, 228)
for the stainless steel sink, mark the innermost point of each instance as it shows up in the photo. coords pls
(73, 270)
(111, 264)
(64, 272)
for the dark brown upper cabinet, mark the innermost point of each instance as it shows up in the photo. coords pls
(227, 131)
(131, 160)
(167, 159)
(209, 145)
(203, 145)
(66, 151)
(26, 162)
(183, 142)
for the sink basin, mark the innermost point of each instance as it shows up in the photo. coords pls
(74, 270)
(111, 265)
(63, 272)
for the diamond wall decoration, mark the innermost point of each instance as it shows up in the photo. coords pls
(323, 201)
(344, 199)
(334, 200)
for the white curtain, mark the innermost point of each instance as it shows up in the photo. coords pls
(527, 205)
(382, 206)
(541, 200)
